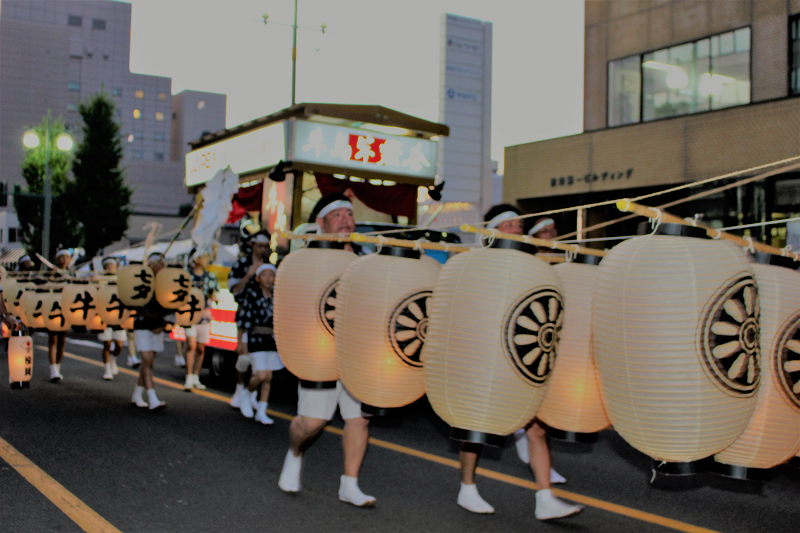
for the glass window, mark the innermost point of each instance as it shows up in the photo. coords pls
(12, 234)
(158, 156)
(162, 97)
(624, 90)
(72, 107)
(794, 53)
(74, 86)
(98, 24)
(159, 116)
(138, 154)
(159, 136)
(116, 91)
(137, 114)
(74, 20)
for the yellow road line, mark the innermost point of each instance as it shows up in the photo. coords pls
(498, 476)
(70, 505)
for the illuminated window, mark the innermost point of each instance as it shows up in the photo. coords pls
(159, 116)
(201, 104)
(137, 114)
(162, 97)
(138, 93)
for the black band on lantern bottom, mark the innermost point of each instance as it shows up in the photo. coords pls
(688, 468)
(508, 244)
(329, 245)
(19, 385)
(317, 385)
(587, 259)
(397, 251)
(741, 472)
(377, 411)
(572, 436)
(477, 437)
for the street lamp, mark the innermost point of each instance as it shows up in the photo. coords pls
(64, 143)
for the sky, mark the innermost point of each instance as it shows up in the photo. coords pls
(373, 52)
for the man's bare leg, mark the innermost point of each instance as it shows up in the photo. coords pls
(354, 444)
(468, 496)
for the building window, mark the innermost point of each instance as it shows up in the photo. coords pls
(794, 53)
(159, 116)
(12, 234)
(159, 156)
(201, 104)
(162, 97)
(74, 86)
(116, 91)
(138, 93)
(159, 136)
(138, 154)
(98, 24)
(137, 114)
(72, 107)
(74, 20)
(704, 75)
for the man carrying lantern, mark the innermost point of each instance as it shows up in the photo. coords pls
(56, 339)
(198, 336)
(148, 330)
(531, 441)
(315, 408)
(113, 337)
(254, 316)
(242, 275)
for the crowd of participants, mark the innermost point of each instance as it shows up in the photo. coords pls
(251, 282)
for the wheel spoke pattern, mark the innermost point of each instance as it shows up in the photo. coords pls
(729, 337)
(326, 307)
(532, 332)
(408, 327)
(787, 360)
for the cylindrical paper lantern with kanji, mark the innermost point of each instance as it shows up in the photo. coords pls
(135, 284)
(573, 407)
(381, 324)
(9, 293)
(773, 433)
(54, 319)
(33, 304)
(191, 312)
(20, 361)
(172, 287)
(109, 306)
(305, 308)
(492, 337)
(675, 327)
(15, 298)
(79, 303)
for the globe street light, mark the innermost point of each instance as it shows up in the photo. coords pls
(63, 143)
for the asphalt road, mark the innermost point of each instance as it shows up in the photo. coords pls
(200, 466)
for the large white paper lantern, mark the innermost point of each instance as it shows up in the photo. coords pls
(492, 338)
(54, 319)
(109, 305)
(381, 324)
(675, 326)
(772, 436)
(191, 312)
(305, 310)
(573, 407)
(79, 303)
(33, 305)
(135, 284)
(172, 287)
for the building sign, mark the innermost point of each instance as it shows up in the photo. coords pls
(249, 151)
(357, 149)
(591, 177)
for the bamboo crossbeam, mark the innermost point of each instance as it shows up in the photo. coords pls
(534, 241)
(337, 237)
(656, 214)
(402, 243)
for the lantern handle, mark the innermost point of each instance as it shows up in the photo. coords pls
(487, 243)
(749, 247)
(381, 241)
(656, 222)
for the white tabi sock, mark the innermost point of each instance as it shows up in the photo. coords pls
(469, 499)
(290, 475)
(350, 493)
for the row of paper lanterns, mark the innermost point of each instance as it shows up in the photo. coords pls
(681, 343)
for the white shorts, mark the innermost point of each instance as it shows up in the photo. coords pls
(112, 334)
(266, 361)
(147, 341)
(321, 403)
(201, 332)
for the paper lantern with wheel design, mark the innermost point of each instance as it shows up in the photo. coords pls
(381, 323)
(135, 284)
(79, 303)
(192, 311)
(305, 308)
(573, 407)
(109, 306)
(54, 319)
(172, 287)
(675, 326)
(20, 361)
(492, 338)
(33, 304)
(773, 433)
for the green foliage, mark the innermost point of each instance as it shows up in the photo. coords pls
(30, 204)
(101, 198)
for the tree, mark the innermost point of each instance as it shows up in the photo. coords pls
(99, 191)
(30, 203)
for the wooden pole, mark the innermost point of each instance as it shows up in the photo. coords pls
(534, 241)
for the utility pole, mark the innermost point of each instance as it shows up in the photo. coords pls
(294, 52)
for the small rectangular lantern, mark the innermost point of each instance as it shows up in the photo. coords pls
(20, 362)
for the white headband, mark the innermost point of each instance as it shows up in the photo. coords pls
(109, 260)
(63, 251)
(24, 258)
(261, 238)
(494, 222)
(541, 225)
(336, 204)
(265, 266)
